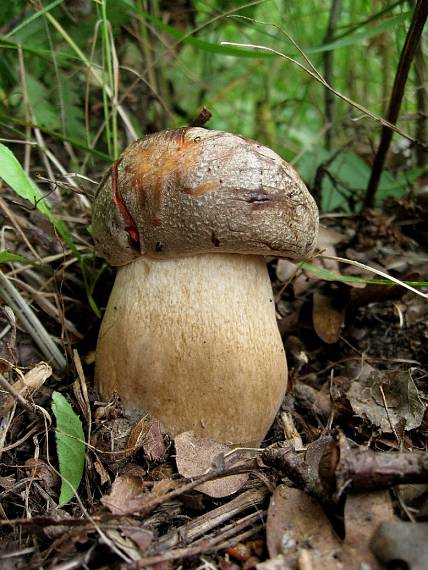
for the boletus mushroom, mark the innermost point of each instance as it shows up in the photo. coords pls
(189, 334)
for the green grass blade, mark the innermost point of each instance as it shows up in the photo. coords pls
(34, 17)
(332, 276)
(8, 257)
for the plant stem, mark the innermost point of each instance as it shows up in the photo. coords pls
(329, 98)
(414, 33)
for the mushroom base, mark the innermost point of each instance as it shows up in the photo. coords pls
(194, 342)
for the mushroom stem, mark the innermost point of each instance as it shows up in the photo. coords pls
(194, 342)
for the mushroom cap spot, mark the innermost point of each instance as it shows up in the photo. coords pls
(182, 187)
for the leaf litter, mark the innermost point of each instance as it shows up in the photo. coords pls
(335, 469)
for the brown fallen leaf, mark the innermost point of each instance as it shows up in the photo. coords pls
(43, 472)
(33, 379)
(386, 398)
(124, 493)
(300, 535)
(297, 522)
(328, 315)
(141, 536)
(195, 456)
(147, 434)
(364, 512)
(104, 476)
(130, 491)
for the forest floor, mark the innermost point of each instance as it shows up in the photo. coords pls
(342, 477)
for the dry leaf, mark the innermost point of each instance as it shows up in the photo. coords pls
(129, 493)
(374, 389)
(328, 316)
(328, 237)
(299, 530)
(364, 512)
(142, 537)
(43, 472)
(195, 456)
(104, 476)
(296, 521)
(146, 434)
(123, 495)
(33, 379)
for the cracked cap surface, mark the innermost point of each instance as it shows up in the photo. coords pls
(191, 191)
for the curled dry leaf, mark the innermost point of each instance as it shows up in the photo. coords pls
(196, 455)
(141, 536)
(328, 316)
(386, 399)
(125, 491)
(129, 493)
(104, 476)
(33, 379)
(147, 434)
(43, 472)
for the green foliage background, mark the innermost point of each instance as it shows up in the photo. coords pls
(60, 62)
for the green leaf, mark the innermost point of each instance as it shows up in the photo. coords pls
(70, 447)
(14, 175)
(7, 257)
(44, 112)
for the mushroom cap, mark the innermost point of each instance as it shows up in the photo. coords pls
(190, 191)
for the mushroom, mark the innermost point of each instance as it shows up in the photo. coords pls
(190, 334)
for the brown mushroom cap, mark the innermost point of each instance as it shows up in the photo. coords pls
(191, 191)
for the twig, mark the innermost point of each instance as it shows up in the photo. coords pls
(291, 464)
(206, 522)
(203, 117)
(414, 33)
(18, 228)
(13, 392)
(205, 544)
(388, 415)
(148, 505)
(343, 467)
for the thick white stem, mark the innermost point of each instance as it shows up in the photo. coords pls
(194, 342)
